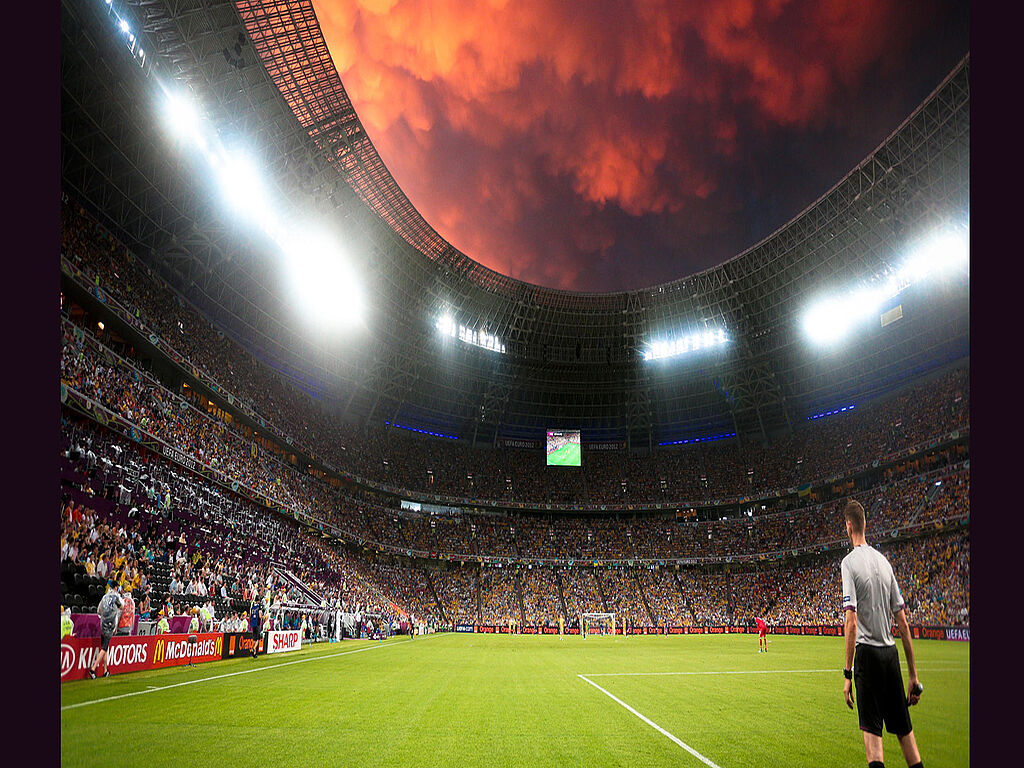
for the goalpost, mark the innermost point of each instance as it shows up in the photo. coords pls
(604, 621)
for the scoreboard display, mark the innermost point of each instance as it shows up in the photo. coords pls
(563, 448)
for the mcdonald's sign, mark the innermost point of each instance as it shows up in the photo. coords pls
(130, 654)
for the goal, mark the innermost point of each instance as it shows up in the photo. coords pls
(597, 624)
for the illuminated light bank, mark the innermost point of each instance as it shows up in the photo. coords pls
(944, 255)
(447, 326)
(323, 281)
(123, 26)
(682, 345)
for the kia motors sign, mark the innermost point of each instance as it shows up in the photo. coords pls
(279, 642)
(131, 654)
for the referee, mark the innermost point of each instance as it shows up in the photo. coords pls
(871, 598)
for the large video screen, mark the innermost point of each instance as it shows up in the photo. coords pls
(563, 448)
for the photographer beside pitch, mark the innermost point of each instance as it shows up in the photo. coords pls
(871, 598)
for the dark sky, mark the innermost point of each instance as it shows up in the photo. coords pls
(613, 144)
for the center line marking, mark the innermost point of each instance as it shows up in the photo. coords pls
(651, 723)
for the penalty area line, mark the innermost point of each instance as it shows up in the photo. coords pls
(653, 724)
(154, 689)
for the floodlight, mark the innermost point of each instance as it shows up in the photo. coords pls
(680, 345)
(124, 26)
(243, 188)
(827, 321)
(323, 281)
(945, 253)
(446, 325)
(830, 319)
(182, 116)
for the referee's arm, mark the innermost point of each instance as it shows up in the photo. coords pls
(849, 629)
(908, 651)
(850, 638)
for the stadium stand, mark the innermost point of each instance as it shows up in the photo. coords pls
(819, 450)
(154, 524)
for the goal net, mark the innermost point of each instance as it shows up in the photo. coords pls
(597, 624)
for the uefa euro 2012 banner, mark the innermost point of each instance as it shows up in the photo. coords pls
(819, 630)
(132, 654)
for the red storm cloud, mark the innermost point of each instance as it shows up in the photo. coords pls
(519, 129)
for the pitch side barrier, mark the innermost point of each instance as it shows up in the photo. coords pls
(133, 654)
(820, 630)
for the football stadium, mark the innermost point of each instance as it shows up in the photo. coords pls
(333, 490)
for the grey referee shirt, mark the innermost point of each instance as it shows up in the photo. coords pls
(870, 589)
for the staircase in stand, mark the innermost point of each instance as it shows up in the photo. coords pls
(479, 600)
(933, 491)
(433, 591)
(643, 597)
(600, 591)
(561, 596)
(519, 597)
(306, 594)
(682, 595)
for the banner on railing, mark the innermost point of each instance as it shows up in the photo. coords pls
(281, 642)
(817, 630)
(240, 644)
(132, 654)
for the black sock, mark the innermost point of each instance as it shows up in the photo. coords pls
(918, 764)
(876, 764)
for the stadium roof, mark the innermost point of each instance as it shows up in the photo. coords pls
(264, 76)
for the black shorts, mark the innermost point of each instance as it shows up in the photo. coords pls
(881, 697)
(106, 633)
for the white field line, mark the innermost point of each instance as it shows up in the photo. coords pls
(755, 672)
(153, 689)
(653, 724)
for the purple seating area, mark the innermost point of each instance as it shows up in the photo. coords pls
(205, 534)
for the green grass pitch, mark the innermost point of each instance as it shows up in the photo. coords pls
(566, 456)
(499, 700)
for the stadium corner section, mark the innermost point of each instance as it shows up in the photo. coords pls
(145, 652)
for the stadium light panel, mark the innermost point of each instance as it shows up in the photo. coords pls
(941, 255)
(832, 319)
(124, 26)
(447, 326)
(323, 281)
(182, 116)
(681, 345)
(243, 188)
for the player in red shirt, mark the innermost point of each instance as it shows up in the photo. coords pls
(762, 629)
